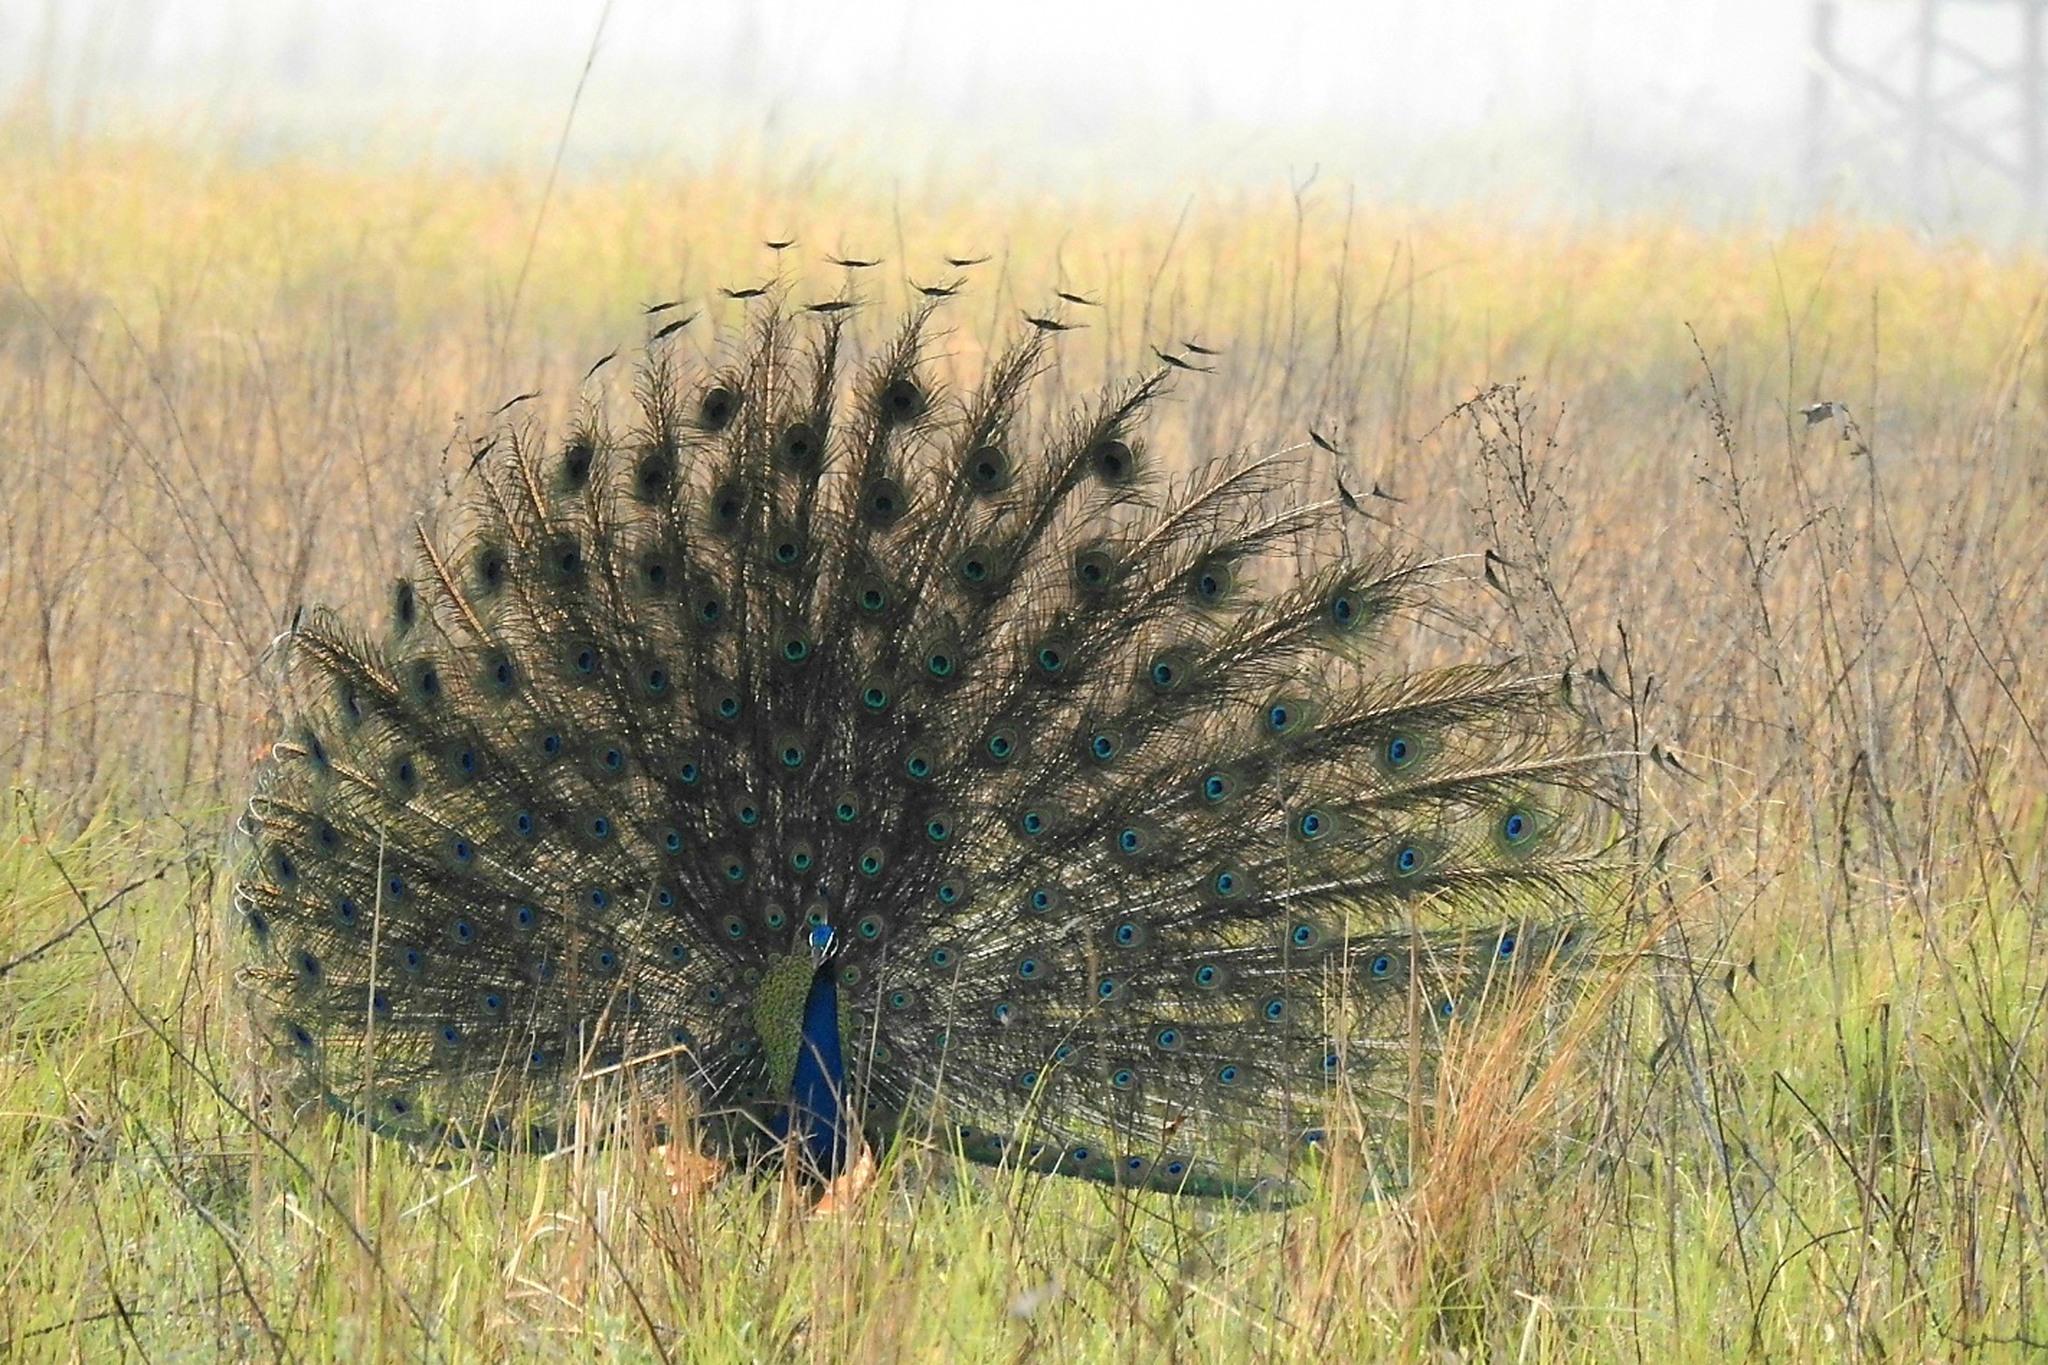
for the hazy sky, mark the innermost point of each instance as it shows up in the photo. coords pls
(1620, 100)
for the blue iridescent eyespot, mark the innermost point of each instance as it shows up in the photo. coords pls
(1106, 989)
(1516, 827)
(1342, 609)
(1126, 935)
(525, 916)
(1448, 1008)
(1206, 975)
(735, 871)
(600, 828)
(1168, 1039)
(1330, 1060)
(899, 1000)
(1279, 717)
(1033, 823)
(1276, 1008)
(918, 766)
(1303, 935)
(1176, 1167)
(1028, 968)
(1226, 1075)
(1003, 1012)
(1215, 787)
(1400, 753)
(1408, 859)
(450, 1034)
(1027, 1080)
(523, 822)
(672, 840)
(1226, 883)
(1041, 900)
(1124, 1079)
(679, 953)
(846, 812)
(1104, 747)
(870, 928)
(871, 863)
(1507, 945)
(792, 755)
(1312, 824)
(464, 931)
(942, 957)
(937, 830)
(1130, 840)
(599, 898)
(688, 774)
(1382, 965)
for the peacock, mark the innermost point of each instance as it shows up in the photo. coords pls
(853, 754)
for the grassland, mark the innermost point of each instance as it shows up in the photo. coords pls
(1811, 1127)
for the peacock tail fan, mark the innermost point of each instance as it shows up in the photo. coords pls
(858, 754)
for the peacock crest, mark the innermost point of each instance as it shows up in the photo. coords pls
(862, 753)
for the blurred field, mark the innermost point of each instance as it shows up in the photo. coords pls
(1815, 1130)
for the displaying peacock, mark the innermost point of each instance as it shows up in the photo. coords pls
(864, 755)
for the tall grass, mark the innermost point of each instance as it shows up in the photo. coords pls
(1809, 1127)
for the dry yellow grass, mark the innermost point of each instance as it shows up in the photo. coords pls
(1812, 1130)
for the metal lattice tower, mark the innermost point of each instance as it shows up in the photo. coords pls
(1953, 84)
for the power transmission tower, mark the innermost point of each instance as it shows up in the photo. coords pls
(1918, 92)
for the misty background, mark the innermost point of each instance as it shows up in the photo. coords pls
(1714, 109)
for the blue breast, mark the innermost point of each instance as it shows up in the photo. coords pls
(818, 1089)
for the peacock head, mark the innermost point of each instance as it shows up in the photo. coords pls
(824, 943)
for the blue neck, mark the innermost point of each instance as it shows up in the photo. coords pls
(818, 1088)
